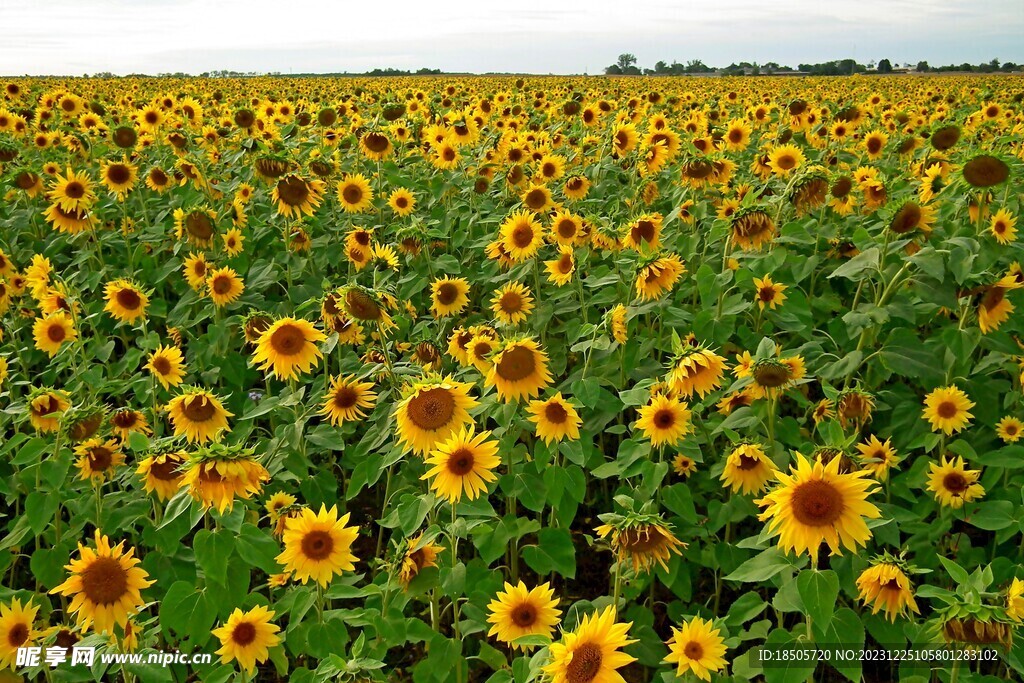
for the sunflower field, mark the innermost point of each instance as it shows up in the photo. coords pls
(486, 379)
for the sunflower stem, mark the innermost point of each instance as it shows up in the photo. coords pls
(618, 585)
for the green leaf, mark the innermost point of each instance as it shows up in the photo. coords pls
(846, 628)
(258, 549)
(856, 268)
(213, 549)
(554, 552)
(956, 572)
(992, 515)
(762, 567)
(39, 510)
(819, 591)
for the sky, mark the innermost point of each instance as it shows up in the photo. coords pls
(75, 37)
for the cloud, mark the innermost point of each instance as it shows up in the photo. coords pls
(123, 36)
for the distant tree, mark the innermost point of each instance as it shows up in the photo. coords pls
(884, 66)
(661, 67)
(632, 71)
(922, 67)
(994, 64)
(1008, 66)
(625, 61)
(613, 70)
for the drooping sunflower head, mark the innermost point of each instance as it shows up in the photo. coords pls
(125, 421)
(752, 228)
(81, 422)
(885, 586)
(985, 170)
(162, 472)
(748, 469)
(420, 552)
(696, 370)
(217, 474)
(641, 538)
(855, 406)
(46, 407)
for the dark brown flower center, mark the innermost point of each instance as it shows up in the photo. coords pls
(947, 410)
(585, 664)
(243, 634)
(432, 408)
(317, 545)
(166, 470)
(118, 174)
(516, 363)
(817, 503)
(74, 190)
(460, 462)
(104, 581)
(664, 419)
(955, 483)
(345, 397)
(100, 458)
(55, 332)
(522, 235)
(17, 634)
(555, 413)
(288, 340)
(536, 199)
(128, 299)
(292, 191)
(447, 293)
(524, 615)
(199, 409)
(693, 650)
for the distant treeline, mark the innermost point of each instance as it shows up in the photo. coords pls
(626, 66)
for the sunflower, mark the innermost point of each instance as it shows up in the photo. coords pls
(196, 270)
(16, 630)
(567, 228)
(346, 400)
(1015, 600)
(855, 407)
(97, 459)
(119, 177)
(45, 408)
(198, 415)
(684, 465)
(664, 421)
(537, 199)
(521, 236)
(769, 293)
(752, 228)
(72, 192)
(224, 286)
(985, 170)
(815, 504)
(419, 554)
(520, 369)
(402, 202)
(104, 585)
(878, 457)
(297, 197)
(555, 419)
(479, 351)
(216, 474)
(642, 539)
(512, 303)
(445, 156)
(748, 469)
(197, 226)
(247, 637)
(162, 473)
(463, 465)
(448, 296)
(561, 269)
(354, 193)
(375, 146)
(126, 302)
(784, 159)
(158, 180)
(737, 135)
(288, 348)
(233, 240)
(53, 331)
(644, 232)
(576, 187)
(947, 409)
(885, 585)
(696, 647)
(617, 318)
(953, 484)
(592, 653)
(167, 365)
(318, 545)
(994, 308)
(698, 370)
(517, 611)
(125, 421)
(1010, 429)
(431, 410)
(658, 277)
